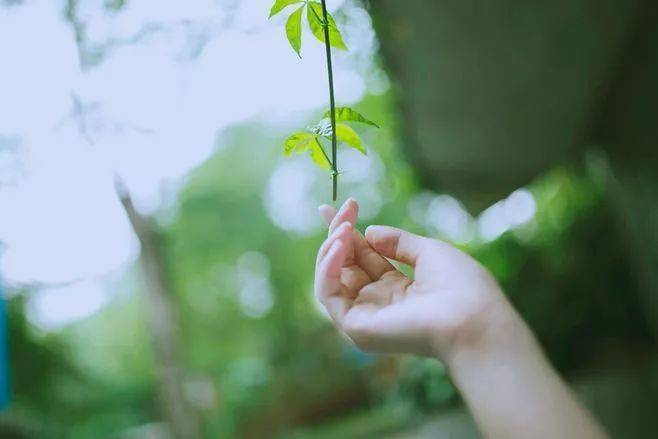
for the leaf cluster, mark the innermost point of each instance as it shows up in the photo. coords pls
(310, 141)
(314, 16)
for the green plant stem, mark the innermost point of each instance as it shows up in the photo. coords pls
(332, 101)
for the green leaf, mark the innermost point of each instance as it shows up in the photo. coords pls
(318, 155)
(280, 5)
(301, 142)
(297, 143)
(346, 114)
(294, 30)
(347, 135)
(316, 22)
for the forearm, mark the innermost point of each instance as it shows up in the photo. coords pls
(512, 390)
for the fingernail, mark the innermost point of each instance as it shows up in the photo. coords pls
(372, 229)
(346, 205)
(341, 228)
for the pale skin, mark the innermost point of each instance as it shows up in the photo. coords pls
(453, 310)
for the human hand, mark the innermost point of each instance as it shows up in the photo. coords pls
(452, 309)
(452, 300)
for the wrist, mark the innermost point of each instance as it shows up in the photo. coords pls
(511, 389)
(502, 334)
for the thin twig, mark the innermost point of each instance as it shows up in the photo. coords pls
(332, 101)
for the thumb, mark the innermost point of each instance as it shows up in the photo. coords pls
(396, 244)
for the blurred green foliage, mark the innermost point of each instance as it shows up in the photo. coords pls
(288, 373)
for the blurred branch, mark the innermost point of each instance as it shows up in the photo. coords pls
(79, 115)
(626, 127)
(162, 318)
(9, 3)
(163, 323)
(92, 54)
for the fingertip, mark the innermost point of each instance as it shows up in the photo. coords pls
(351, 202)
(334, 258)
(349, 211)
(383, 239)
(342, 232)
(339, 247)
(343, 228)
(327, 213)
(395, 243)
(372, 231)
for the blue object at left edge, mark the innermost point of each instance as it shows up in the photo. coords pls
(4, 352)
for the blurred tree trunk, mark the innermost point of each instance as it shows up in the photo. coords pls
(626, 127)
(162, 318)
(494, 93)
(163, 325)
(635, 196)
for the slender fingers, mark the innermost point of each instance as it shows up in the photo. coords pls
(352, 277)
(342, 232)
(369, 260)
(328, 286)
(349, 211)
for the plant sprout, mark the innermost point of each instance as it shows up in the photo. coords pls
(324, 28)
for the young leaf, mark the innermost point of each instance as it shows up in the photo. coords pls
(294, 30)
(280, 5)
(347, 135)
(297, 143)
(346, 114)
(315, 21)
(318, 155)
